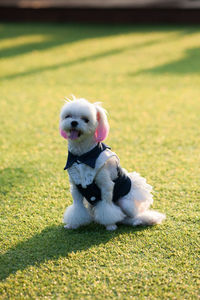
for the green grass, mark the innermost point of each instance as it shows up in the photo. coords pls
(148, 78)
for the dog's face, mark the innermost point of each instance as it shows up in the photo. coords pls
(79, 119)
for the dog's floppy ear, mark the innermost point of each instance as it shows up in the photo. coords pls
(63, 134)
(102, 130)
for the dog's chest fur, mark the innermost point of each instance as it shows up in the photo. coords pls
(84, 175)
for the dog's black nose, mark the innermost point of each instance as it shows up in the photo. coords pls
(74, 123)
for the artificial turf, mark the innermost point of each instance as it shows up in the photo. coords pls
(148, 79)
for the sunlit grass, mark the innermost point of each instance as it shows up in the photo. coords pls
(148, 80)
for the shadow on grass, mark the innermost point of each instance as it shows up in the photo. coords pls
(53, 35)
(62, 34)
(188, 64)
(54, 242)
(79, 60)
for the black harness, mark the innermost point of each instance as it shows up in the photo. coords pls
(92, 192)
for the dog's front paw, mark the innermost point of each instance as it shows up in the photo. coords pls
(68, 226)
(111, 227)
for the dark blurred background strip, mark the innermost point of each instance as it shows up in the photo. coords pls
(118, 11)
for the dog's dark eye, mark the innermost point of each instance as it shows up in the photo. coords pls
(68, 116)
(85, 120)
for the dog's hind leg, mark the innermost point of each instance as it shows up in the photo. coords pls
(147, 218)
(136, 204)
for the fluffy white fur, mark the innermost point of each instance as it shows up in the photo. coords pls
(133, 209)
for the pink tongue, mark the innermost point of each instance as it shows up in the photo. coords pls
(73, 134)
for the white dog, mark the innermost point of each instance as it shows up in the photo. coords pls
(102, 191)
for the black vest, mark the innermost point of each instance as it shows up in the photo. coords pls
(92, 192)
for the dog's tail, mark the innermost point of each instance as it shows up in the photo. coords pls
(148, 217)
